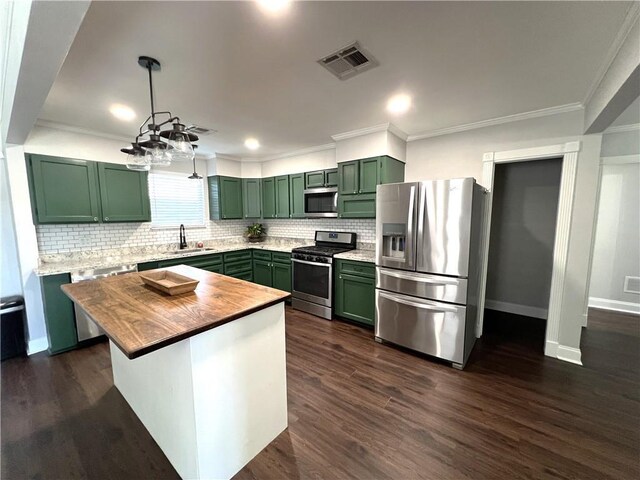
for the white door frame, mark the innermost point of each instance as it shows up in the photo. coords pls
(569, 153)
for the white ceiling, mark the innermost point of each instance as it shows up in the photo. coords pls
(230, 67)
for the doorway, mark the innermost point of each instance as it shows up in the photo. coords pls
(521, 246)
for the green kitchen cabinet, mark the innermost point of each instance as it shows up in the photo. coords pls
(357, 182)
(272, 269)
(314, 179)
(355, 291)
(238, 264)
(59, 314)
(225, 198)
(321, 178)
(63, 190)
(368, 175)
(147, 266)
(281, 276)
(296, 195)
(262, 272)
(210, 262)
(124, 194)
(251, 197)
(331, 177)
(269, 197)
(348, 180)
(282, 196)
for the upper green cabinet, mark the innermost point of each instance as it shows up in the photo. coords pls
(357, 181)
(124, 194)
(251, 197)
(331, 177)
(65, 190)
(269, 197)
(282, 196)
(321, 178)
(296, 195)
(225, 198)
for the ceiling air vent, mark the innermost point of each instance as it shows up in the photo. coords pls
(348, 61)
(200, 130)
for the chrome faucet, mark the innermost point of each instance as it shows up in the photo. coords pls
(183, 237)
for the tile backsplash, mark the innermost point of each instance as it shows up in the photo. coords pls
(106, 236)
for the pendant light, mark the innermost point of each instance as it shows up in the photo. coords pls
(194, 175)
(155, 150)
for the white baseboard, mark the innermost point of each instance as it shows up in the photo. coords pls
(516, 309)
(569, 354)
(562, 352)
(615, 305)
(37, 345)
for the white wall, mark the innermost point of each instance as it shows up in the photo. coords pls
(300, 163)
(523, 225)
(460, 155)
(616, 252)
(10, 283)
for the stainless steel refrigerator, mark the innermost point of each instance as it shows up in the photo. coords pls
(427, 266)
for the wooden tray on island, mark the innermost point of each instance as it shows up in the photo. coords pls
(169, 282)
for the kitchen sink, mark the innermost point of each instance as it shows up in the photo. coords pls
(192, 250)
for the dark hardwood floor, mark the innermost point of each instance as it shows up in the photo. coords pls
(362, 410)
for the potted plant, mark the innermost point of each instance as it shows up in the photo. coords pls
(255, 232)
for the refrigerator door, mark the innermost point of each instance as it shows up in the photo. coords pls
(396, 212)
(429, 327)
(444, 226)
(433, 287)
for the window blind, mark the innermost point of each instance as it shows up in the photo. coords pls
(176, 199)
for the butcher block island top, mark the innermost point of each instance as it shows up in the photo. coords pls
(139, 319)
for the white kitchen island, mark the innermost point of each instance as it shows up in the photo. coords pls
(216, 396)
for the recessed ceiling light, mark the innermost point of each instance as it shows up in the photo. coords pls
(252, 143)
(122, 112)
(399, 104)
(274, 6)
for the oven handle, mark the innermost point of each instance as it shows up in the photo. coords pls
(315, 264)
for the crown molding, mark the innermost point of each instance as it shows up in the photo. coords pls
(293, 153)
(623, 128)
(627, 24)
(83, 131)
(543, 112)
(224, 156)
(383, 127)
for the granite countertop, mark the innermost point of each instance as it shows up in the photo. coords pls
(360, 255)
(67, 262)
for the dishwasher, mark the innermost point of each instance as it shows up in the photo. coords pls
(85, 327)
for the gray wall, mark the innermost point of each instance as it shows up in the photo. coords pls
(10, 281)
(523, 224)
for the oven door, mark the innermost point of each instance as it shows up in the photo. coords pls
(312, 281)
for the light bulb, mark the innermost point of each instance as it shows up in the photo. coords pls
(182, 149)
(158, 156)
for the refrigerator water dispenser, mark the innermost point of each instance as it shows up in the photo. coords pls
(394, 240)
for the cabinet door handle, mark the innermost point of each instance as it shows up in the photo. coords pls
(340, 277)
(106, 218)
(95, 219)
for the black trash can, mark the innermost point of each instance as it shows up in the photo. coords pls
(12, 327)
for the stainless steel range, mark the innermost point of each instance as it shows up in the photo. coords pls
(312, 268)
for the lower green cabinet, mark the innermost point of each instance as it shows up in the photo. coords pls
(272, 269)
(238, 264)
(262, 272)
(281, 274)
(59, 314)
(355, 291)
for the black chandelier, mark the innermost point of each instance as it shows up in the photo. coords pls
(161, 146)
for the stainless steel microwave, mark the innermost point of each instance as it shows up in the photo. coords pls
(321, 202)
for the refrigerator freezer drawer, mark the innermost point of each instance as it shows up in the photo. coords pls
(429, 327)
(433, 287)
